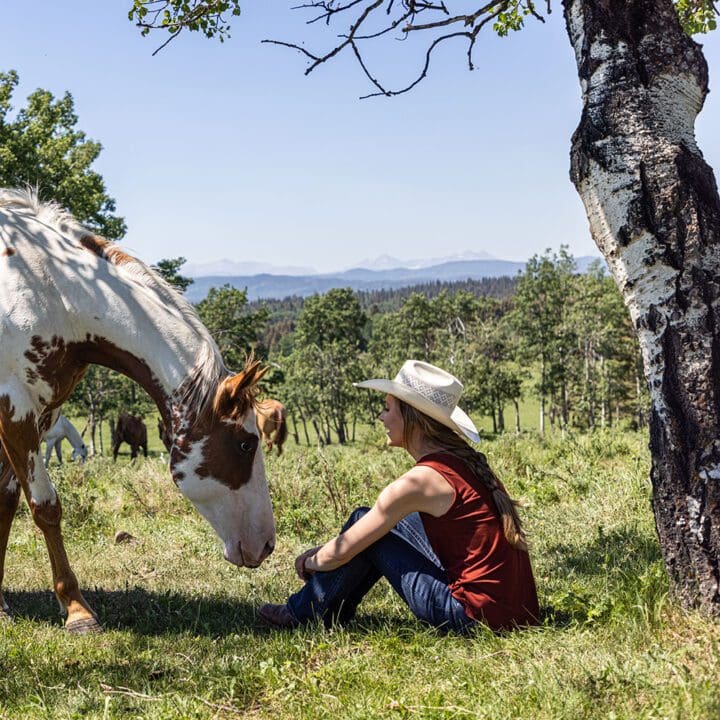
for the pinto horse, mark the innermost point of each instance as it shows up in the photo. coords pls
(133, 431)
(164, 435)
(69, 298)
(61, 430)
(271, 420)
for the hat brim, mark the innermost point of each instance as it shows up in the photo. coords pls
(457, 420)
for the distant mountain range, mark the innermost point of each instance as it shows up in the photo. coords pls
(388, 262)
(278, 285)
(231, 268)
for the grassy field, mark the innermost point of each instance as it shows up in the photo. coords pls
(182, 639)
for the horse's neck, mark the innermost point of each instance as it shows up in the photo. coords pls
(71, 433)
(108, 312)
(153, 342)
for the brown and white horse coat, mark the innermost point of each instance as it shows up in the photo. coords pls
(68, 299)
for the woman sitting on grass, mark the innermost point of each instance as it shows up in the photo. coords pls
(462, 560)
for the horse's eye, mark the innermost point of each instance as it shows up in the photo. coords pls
(246, 446)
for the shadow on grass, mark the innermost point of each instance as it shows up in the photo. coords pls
(161, 614)
(147, 613)
(618, 573)
(625, 554)
(624, 550)
(156, 614)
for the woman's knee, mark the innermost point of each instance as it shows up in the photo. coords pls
(355, 515)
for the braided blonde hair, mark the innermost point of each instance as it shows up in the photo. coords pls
(476, 462)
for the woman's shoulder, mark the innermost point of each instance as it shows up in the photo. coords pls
(420, 475)
(442, 460)
(433, 486)
(455, 469)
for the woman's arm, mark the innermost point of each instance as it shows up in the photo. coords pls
(422, 489)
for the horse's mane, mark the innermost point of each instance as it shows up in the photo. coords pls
(209, 367)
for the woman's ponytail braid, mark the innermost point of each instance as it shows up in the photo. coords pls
(506, 506)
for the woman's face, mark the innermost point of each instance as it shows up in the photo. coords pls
(392, 419)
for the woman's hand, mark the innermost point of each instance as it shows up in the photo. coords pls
(303, 572)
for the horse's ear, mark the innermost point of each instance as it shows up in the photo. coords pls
(252, 374)
(260, 373)
(233, 395)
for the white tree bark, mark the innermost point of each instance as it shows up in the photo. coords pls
(654, 212)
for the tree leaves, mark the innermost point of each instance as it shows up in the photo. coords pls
(697, 16)
(234, 328)
(204, 16)
(42, 147)
(170, 270)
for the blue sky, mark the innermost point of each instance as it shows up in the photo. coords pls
(228, 151)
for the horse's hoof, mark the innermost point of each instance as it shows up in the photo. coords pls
(5, 617)
(84, 626)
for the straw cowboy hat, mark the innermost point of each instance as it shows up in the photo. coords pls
(431, 391)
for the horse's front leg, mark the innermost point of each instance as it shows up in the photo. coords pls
(21, 442)
(9, 496)
(47, 514)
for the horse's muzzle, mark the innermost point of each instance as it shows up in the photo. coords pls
(242, 558)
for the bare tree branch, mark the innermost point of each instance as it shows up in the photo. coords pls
(467, 20)
(534, 12)
(388, 29)
(505, 14)
(348, 40)
(423, 73)
(167, 42)
(329, 11)
(299, 49)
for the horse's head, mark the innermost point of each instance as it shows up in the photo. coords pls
(217, 463)
(80, 452)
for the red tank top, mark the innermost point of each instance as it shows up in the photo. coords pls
(492, 580)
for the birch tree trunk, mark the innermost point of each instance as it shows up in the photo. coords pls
(654, 212)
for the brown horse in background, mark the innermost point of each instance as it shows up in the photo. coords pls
(132, 430)
(271, 421)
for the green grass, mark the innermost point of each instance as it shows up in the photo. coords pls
(182, 639)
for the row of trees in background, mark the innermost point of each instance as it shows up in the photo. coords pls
(563, 339)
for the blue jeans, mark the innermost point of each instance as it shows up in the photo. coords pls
(405, 558)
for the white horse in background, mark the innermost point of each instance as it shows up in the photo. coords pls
(64, 429)
(68, 299)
